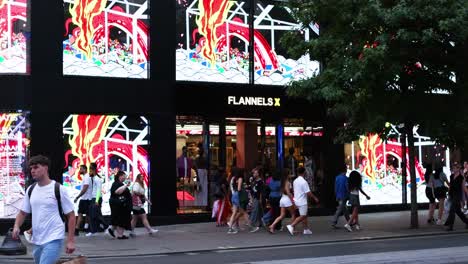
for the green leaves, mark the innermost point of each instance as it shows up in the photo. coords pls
(384, 60)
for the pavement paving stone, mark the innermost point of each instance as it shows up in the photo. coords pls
(174, 239)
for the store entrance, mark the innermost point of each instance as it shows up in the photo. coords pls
(206, 146)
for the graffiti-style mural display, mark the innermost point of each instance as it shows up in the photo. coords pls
(112, 142)
(213, 43)
(273, 65)
(14, 36)
(14, 146)
(106, 38)
(380, 162)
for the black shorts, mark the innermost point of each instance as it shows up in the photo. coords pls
(83, 207)
(430, 196)
(138, 211)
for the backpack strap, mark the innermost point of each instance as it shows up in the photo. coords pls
(31, 189)
(59, 200)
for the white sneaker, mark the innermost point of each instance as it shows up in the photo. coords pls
(290, 229)
(153, 232)
(348, 227)
(357, 227)
(90, 234)
(439, 222)
(28, 236)
(307, 232)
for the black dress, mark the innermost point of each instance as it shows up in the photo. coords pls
(121, 214)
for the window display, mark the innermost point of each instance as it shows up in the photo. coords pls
(112, 142)
(273, 65)
(380, 162)
(14, 151)
(14, 36)
(106, 38)
(212, 41)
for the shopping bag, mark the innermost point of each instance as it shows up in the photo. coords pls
(74, 260)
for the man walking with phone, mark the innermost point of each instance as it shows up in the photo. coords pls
(45, 200)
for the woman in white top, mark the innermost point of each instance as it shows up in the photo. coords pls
(138, 200)
(286, 202)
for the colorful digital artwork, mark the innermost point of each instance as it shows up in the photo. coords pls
(106, 38)
(379, 162)
(213, 43)
(112, 142)
(273, 65)
(14, 36)
(14, 145)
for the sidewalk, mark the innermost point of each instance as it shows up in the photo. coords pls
(175, 239)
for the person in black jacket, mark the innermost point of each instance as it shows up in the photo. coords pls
(121, 205)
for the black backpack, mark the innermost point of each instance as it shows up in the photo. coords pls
(57, 196)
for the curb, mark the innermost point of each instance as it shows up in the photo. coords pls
(446, 233)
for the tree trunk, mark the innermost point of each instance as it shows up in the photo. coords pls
(404, 174)
(414, 201)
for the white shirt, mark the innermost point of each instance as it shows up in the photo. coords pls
(96, 185)
(46, 222)
(137, 189)
(300, 188)
(86, 181)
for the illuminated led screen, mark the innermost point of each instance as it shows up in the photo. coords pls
(212, 41)
(379, 163)
(273, 65)
(106, 38)
(14, 143)
(14, 36)
(113, 142)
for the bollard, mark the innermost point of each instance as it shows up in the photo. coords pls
(11, 246)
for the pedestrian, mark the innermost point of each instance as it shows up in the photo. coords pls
(239, 200)
(138, 200)
(430, 193)
(85, 201)
(342, 196)
(456, 192)
(95, 215)
(437, 190)
(355, 187)
(47, 200)
(121, 206)
(274, 199)
(257, 191)
(222, 198)
(301, 193)
(286, 203)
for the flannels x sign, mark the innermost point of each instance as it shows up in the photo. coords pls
(255, 101)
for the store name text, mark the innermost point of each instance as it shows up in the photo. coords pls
(256, 101)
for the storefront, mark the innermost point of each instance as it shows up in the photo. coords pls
(228, 108)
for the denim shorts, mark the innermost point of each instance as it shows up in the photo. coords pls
(235, 199)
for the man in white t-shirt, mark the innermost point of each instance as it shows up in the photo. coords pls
(48, 229)
(85, 194)
(301, 193)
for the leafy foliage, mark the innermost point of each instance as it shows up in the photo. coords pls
(387, 61)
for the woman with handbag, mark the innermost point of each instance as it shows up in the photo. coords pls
(138, 200)
(121, 205)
